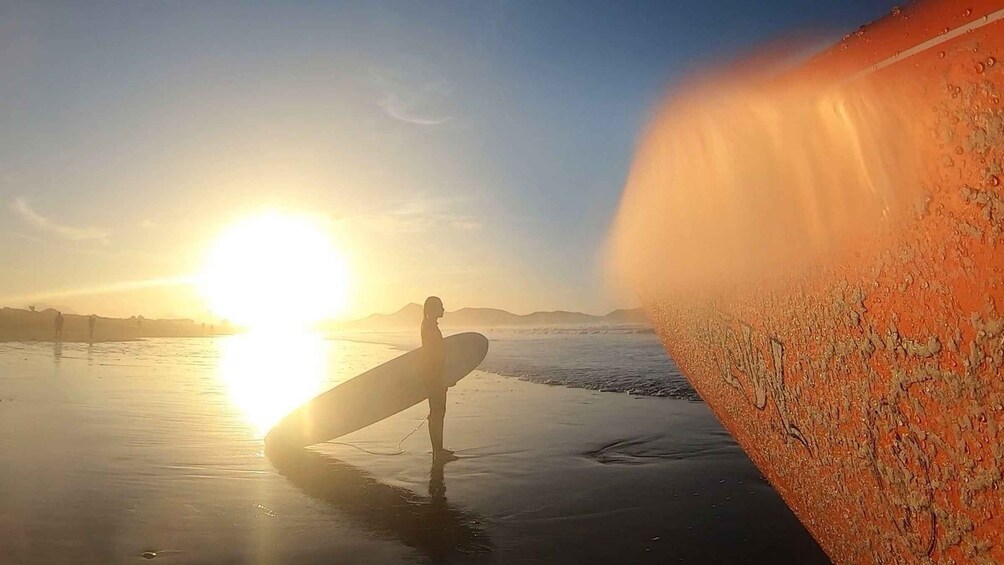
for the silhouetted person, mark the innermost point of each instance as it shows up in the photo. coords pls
(90, 327)
(59, 325)
(435, 357)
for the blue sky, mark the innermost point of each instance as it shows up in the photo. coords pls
(474, 149)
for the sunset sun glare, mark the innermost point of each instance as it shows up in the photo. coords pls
(275, 271)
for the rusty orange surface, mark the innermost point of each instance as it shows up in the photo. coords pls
(866, 381)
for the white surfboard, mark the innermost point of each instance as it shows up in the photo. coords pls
(374, 395)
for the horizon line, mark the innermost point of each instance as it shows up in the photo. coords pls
(329, 320)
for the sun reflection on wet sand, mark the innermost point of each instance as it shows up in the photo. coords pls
(268, 375)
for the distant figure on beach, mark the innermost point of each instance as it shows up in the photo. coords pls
(59, 325)
(435, 357)
(90, 327)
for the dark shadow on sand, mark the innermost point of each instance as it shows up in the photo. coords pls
(426, 523)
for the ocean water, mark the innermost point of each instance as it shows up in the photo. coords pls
(627, 359)
(116, 452)
(112, 450)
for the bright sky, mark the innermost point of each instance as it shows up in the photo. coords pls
(475, 150)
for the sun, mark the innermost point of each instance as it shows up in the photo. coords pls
(275, 271)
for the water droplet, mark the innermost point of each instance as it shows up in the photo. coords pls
(941, 54)
(968, 12)
(995, 180)
(997, 100)
(991, 61)
(958, 150)
(944, 30)
(979, 68)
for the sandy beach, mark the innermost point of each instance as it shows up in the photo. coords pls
(146, 448)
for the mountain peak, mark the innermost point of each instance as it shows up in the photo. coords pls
(410, 307)
(410, 316)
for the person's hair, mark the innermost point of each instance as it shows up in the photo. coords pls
(430, 303)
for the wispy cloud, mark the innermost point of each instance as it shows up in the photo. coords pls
(28, 237)
(465, 224)
(417, 215)
(395, 107)
(422, 105)
(123, 286)
(73, 233)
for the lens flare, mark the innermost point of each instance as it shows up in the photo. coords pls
(761, 173)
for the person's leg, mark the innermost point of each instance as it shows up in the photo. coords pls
(436, 416)
(442, 424)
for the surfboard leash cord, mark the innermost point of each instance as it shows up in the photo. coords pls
(399, 451)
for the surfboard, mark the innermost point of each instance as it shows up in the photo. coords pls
(374, 395)
(821, 251)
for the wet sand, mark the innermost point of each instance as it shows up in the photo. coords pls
(558, 475)
(103, 462)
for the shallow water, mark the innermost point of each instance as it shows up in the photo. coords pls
(156, 440)
(627, 359)
(118, 451)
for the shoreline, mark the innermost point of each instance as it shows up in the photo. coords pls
(121, 464)
(613, 477)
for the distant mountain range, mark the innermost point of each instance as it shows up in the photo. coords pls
(411, 316)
